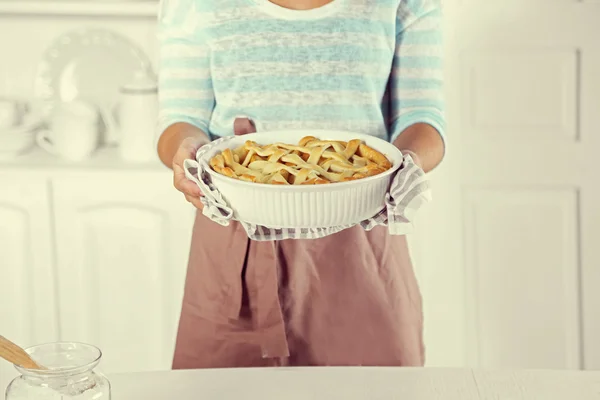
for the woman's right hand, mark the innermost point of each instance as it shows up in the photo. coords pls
(187, 150)
(188, 147)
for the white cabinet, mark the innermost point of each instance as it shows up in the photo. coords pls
(27, 291)
(27, 309)
(122, 243)
(96, 256)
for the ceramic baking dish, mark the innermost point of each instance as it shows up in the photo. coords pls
(303, 206)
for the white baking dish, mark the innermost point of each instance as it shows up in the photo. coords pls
(303, 206)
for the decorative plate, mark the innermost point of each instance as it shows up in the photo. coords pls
(89, 65)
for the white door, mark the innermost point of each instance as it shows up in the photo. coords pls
(27, 291)
(122, 246)
(510, 260)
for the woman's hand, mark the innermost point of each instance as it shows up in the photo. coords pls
(424, 143)
(187, 150)
(414, 156)
(181, 141)
(177, 143)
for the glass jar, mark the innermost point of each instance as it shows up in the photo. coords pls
(70, 374)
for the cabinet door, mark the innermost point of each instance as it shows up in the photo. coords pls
(515, 285)
(27, 291)
(122, 246)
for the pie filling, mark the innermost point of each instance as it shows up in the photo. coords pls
(310, 162)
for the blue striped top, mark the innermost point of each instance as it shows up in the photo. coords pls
(367, 66)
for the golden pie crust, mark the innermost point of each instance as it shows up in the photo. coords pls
(310, 162)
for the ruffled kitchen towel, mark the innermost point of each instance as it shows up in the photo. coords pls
(409, 190)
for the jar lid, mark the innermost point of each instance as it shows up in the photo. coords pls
(143, 82)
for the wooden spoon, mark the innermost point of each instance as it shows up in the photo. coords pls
(16, 355)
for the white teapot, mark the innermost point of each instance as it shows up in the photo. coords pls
(133, 119)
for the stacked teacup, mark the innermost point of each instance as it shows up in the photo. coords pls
(17, 131)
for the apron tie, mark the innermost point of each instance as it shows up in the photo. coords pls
(262, 281)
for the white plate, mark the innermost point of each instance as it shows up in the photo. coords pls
(89, 65)
(304, 206)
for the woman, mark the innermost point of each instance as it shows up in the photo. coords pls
(370, 66)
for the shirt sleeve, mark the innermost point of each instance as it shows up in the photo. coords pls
(416, 92)
(184, 78)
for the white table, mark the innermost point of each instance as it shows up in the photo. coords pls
(357, 383)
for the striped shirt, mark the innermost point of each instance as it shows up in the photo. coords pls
(366, 66)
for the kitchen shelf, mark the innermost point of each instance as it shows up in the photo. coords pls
(111, 8)
(104, 160)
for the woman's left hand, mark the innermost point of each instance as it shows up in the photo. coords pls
(423, 142)
(414, 156)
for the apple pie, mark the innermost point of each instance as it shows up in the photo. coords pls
(310, 162)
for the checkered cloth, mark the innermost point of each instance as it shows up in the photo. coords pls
(409, 190)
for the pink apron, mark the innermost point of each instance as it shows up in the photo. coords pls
(344, 300)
